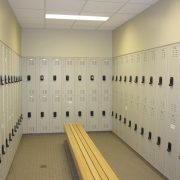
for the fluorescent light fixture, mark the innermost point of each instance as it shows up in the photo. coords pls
(76, 17)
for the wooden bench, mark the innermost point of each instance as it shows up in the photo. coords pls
(89, 162)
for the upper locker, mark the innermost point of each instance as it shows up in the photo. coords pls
(80, 91)
(105, 94)
(68, 100)
(29, 103)
(42, 80)
(55, 97)
(93, 96)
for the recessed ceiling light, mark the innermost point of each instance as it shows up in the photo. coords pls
(76, 17)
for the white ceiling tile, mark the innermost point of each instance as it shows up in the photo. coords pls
(55, 26)
(144, 1)
(27, 4)
(28, 13)
(116, 1)
(108, 28)
(84, 27)
(31, 20)
(95, 14)
(133, 8)
(31, 25)
(64, 5)
(63, 12)
(59, 22)
(101, 7)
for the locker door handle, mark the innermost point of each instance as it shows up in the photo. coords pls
(160, 81)
(9, 79)
(124, 78)
(116, 78)
(42, 114)
(2, 80)
(112, 113)
(10, 138)
(92, 113)
(67, 113)
(124, 120)
(54, 78)
(149, 135)
(112, 78)
(103, 113)
(129, 125)
(136, 79)
(169, 148)
(29, 114)
(79, 113)
(54, 114)
(67, 77)
(151, 80)
(135, 127)
(120, 118)
(7, 145)
(28, 78)
(142, 131)
(171, 81)
(79, 77)
(104, 78)
(6, 80)
(130, 78)
(15, 129)
(12, 132)
(143, 80)
(92, 77)
(158, 141)
(120, 78)
(3, 150)
(116, 116)
(41, 78)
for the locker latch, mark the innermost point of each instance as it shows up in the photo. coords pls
(92, 77)
(29, 114)
(54, 114)
(91, 113)
(79, 113)
(103, 113)
(54, 78)
(142, 131)
(67, 113)
(7, 145)
(67, 77)
(151, 80)
(143, 80)
(120, 78)
(149, 135)
(124, 120)
(41, 78)
(116, 78)
(169, 148)
(136, 79)
(3, 150)
(112, 113)
(129, 125)
(116, 116)
(79, 77)
(124, 78)
(158, 141)
(160, 81)
(120, 118)
(42, 114)
(171, 81)
(135, 127)
(28, 78)
(130, 78)
(104, 78)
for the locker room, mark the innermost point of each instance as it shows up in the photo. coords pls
(89, 89)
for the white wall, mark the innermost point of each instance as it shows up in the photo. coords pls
(66, 43)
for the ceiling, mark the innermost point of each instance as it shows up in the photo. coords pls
(31, 13)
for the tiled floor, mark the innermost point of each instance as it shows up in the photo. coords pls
(42, 157)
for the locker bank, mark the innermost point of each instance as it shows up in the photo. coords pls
(89, 89)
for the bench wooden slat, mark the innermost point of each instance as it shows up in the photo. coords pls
(83, 169)
(85, 154)
(90, 152)
(105, 166)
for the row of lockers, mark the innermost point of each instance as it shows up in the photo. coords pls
(146, 105)
(57, 90)
(10, 107)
